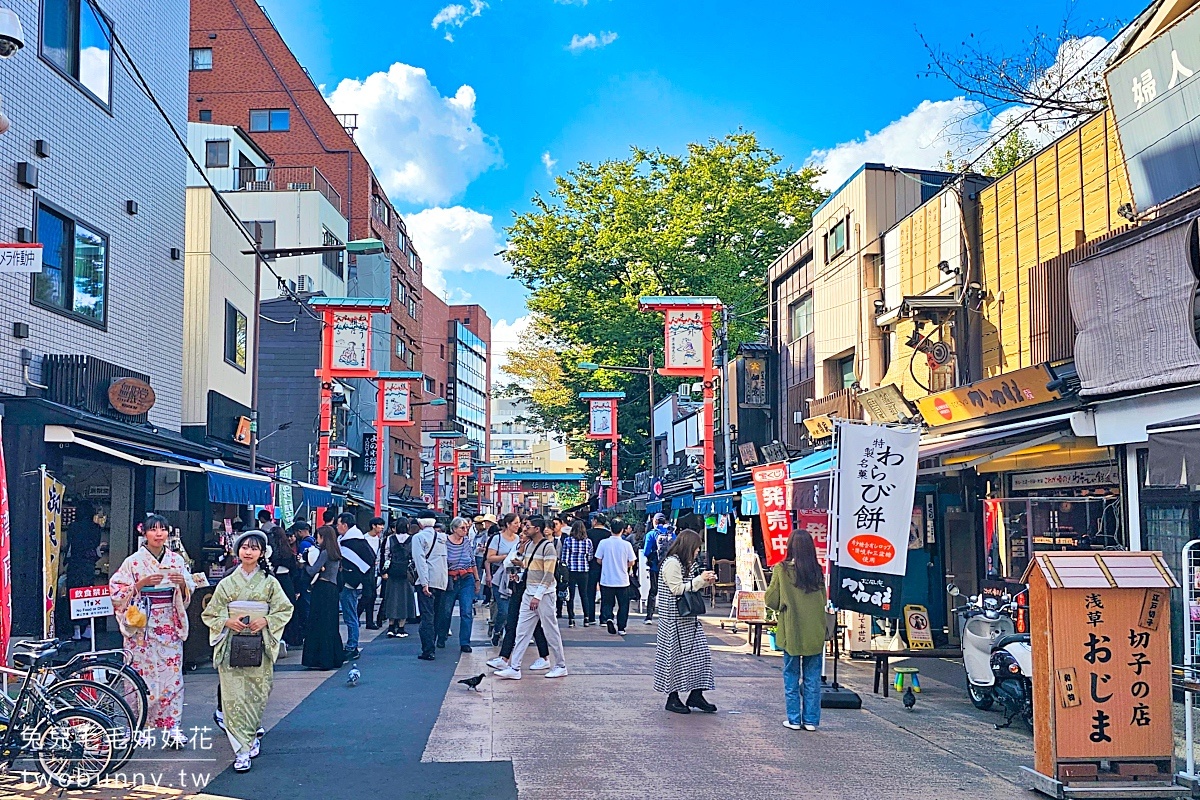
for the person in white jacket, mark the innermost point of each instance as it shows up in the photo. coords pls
(429, 558)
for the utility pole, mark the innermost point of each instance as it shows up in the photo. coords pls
(653, 441)
(725, 403)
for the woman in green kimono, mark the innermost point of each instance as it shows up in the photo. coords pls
(249, 599)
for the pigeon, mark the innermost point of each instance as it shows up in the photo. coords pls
(353, 675)
(910, 699)
(473, 683)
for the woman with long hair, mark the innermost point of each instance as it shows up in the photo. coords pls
(398, 598)
(323, 646)
(682, 661)
(797, 592)
(577, 552)
(247, 601)
(284, 565)
(150, 594)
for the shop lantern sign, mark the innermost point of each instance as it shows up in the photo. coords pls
(351, 340)
(685, 339)
(396, 402)
(52, 541)
(770, 485)
(601, 418)
(445, 452)
(877, 475)
(462, 462)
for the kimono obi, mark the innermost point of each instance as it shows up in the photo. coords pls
(158, 596)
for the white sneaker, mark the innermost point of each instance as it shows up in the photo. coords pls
(792, 726)
(508, 673)
(241, 763)
(255, 748)
(498, 663)
(540, 665)
(557, 672)
(648, 622)
(175, 740)
(809, 728)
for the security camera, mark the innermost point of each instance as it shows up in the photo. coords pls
(12, 38)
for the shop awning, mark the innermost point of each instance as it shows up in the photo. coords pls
(226, 485)
(653, 506)
(975, 451)
(316, 496)
(681, 502)
(811, 465)
(749, 502)
(717, 502)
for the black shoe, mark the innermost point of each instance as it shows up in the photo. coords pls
(391, 634)
(571, 624)
(495, 641)
(466, 648)
(587, 624)
(612, 626)
(676, 705)
(353, 655)
(372, 627)
(442, 645)
(696, 700)
(426, 656)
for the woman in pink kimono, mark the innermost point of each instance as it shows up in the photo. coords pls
(156, 582)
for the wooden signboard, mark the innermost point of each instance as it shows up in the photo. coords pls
(1101, 637)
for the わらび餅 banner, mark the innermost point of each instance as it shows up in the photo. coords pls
(877, 476)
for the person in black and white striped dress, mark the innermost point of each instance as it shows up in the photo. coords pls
(682, 661)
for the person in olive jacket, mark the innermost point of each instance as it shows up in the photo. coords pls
(797, 592)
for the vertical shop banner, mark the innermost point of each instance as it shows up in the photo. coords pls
(770, 484)
(52, 499)
(685, 339)
(877, 477)
(743, 553)
(5, 564)
(351, 332)
(601, 418)
(396, 405)
(462, 462)
(816, 522)
(445, 453)
(286, 505)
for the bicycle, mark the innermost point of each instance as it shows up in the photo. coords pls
(73, 746)
(111, 668)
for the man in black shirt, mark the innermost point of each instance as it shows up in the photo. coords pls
(597, 533)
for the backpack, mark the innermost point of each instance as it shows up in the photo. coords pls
(662, 543)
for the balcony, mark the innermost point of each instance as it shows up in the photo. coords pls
(841, 403)
(286, 179)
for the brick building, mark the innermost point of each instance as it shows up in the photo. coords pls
(243, 73)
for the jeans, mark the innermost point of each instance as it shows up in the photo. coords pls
(577, 586)
(619, 595)
(499, 617)
(589, 598)
(479, 587)
(431, 618)
(803, 693)
(349, 601)
(461, 589)
(651, 598)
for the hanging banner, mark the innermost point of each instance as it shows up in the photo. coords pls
(816, 522)
(397, 408)
(351, 334)
(770, 485)
(601, 419)
(5, 564)
(685, 340)
(462, 462)
(52, 499)
(286, 505)
(743, 554)
(445, 453)
(877, 476)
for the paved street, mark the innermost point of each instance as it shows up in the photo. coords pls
(409, 731)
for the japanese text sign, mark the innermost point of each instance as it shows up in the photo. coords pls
(601, 419)
(90, 601)
(1019, 389)
(397, 409)
(20, 257)
(462, 462)
(685, 348)
(770, 485)
(816, 522)
(351, 334)
(52, 540)
(876, 482)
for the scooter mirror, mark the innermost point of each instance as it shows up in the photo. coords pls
(953, 590)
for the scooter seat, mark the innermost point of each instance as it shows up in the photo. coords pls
(1010, 638)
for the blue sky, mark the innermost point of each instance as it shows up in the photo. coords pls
(466, 130)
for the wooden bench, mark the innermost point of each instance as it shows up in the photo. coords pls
(883, 661)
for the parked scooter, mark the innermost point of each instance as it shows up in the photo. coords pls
(998, 660)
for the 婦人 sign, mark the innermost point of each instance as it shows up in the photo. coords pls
(770, 484)
(877, 475)
(88, 602)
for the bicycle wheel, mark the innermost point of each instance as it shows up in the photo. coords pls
(74, 749)
(121, 678)
(78, 693)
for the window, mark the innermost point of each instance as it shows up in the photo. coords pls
(206, 115)
(845, 370)
(401, 291)
(263, 232)
(269, 119)
(430, 385)
(75, 39)
(408, 467)
(235, 337)
(412, 306)
(379, 209)
(74, 276)
(835, 240)
(201, 59)
(216, 153)
(334, 260)
(412, 260)
(800, 318)
(442, 351)
(398, 469)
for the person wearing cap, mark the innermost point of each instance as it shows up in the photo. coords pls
(429, 558)
(653, 560)
(479, 538)
(247, 601)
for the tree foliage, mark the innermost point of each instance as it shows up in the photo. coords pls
(707, 222)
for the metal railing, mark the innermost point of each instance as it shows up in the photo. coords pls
(842, 403)
(286, 179)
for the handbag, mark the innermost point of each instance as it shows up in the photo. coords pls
(246, 650)
(690, 604)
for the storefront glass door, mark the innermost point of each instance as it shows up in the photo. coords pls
(1168, 526)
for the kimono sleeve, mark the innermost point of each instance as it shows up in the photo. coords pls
(122, 586)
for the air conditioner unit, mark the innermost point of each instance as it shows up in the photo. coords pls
(685, 391)
(304, 283)
(291, 288)
(170, 477)
(300, 186)
(260, 186)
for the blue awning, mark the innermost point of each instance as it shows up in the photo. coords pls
(812, 464)
(681, 502)
(239, 488)
(316, 496)
(653, 506)
(749, 502)
(716, 503)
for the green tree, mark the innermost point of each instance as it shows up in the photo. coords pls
(708, 222)
(1007, 154)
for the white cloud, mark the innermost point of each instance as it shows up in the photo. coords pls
(548, 162)
(455, 239)
(591, 41)
(505, 336)
(456, 15)
(424, 147)
(571, 2)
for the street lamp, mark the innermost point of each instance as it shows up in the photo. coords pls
(648, 371)
(437, 401)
